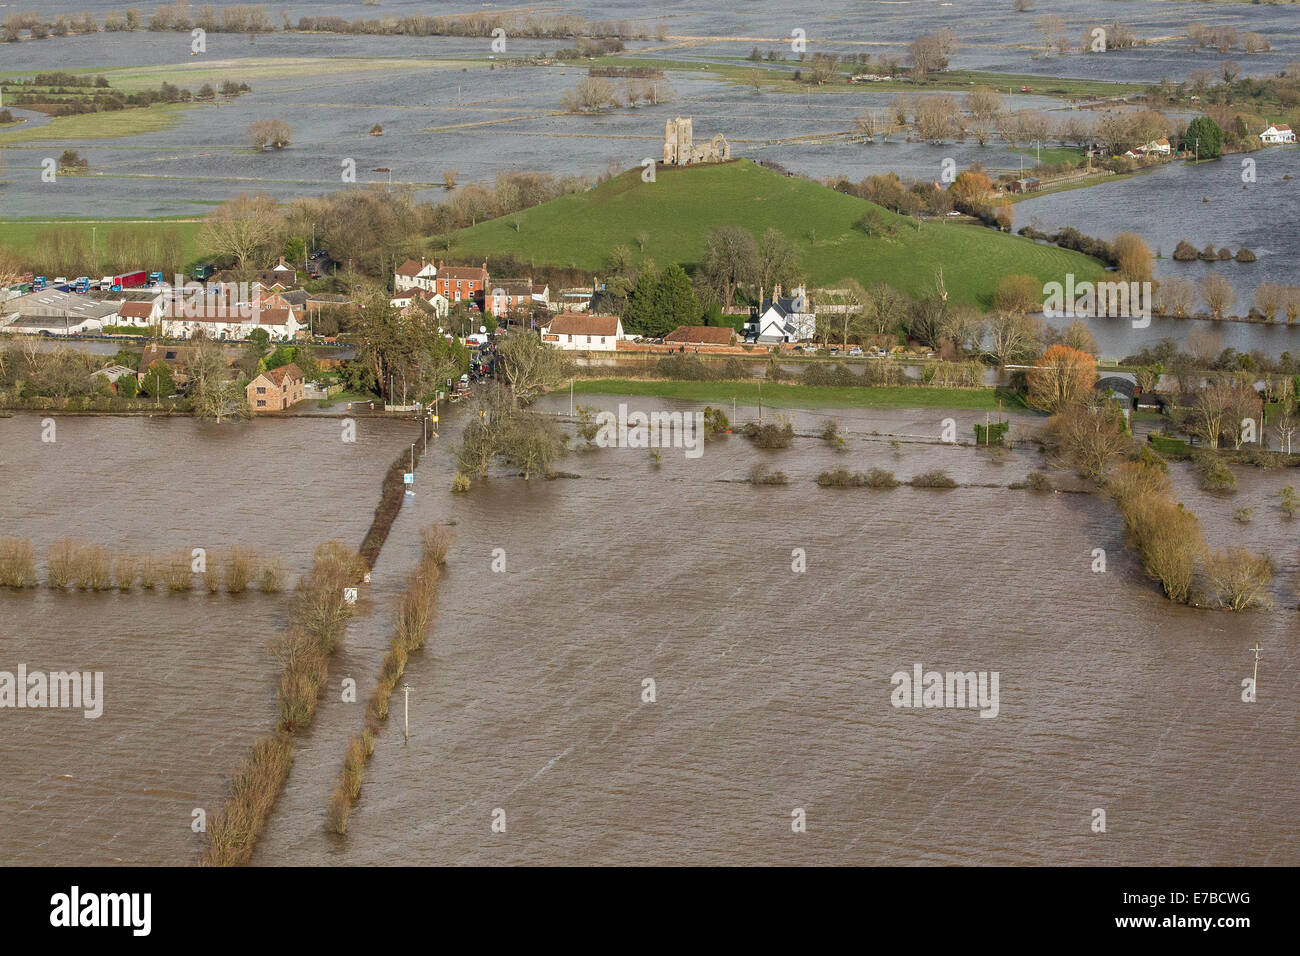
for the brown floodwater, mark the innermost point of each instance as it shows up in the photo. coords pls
(772, 687)
(188, 680)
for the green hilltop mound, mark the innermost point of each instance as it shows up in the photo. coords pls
(684, 204)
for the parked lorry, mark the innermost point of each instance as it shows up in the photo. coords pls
(38, 283)
(155, 279)
(204, 272)
(129, 280)
(81, 284)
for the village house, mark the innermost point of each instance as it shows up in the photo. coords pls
(782, 319)
(510, 297)
(596, 333)
(696, 335)
(280, 325)
(1157, 147)
(414, 275)
(139, 315)
(433, 302)
(277, 389)
(462, 283)
(1277, 134)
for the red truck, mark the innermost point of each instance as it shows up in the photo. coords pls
(130, 280)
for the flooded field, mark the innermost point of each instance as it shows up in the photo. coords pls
(1207, 204)
(772, 687)
(189, 681)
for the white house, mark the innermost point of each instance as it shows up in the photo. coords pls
(414, 275)
(1277, 134)
(435, 302)
(235, 322)
(783, 319)
(1157, 147)
(139, 315)
(595, 333)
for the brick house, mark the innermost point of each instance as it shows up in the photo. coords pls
(462, 283)
(509, 297)
(277, 389)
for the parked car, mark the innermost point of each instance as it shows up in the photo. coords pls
(856, 351)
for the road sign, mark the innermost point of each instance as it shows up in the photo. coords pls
(408, 478)
(350, 595)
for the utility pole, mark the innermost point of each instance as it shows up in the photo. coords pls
(406, 693)
(570, 397)
(1255, 680)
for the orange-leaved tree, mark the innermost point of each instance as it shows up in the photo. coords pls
(1061, 377)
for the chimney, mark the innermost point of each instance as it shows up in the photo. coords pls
(776, 292)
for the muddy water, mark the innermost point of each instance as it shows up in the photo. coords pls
(188, 679)
(773, 687)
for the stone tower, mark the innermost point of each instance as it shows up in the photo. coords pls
(679, 141)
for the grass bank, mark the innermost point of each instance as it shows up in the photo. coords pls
(778, 395)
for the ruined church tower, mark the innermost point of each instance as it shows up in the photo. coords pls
(679, 141)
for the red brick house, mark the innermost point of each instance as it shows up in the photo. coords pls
(277, 389)
(462, 283)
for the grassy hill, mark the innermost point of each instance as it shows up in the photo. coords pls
(683, 205)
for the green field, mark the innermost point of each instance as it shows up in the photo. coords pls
(107, 125)
(683, 205)
(809, 396)
(20, 234)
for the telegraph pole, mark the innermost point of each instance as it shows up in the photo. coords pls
(1255, 678)
(406, 693)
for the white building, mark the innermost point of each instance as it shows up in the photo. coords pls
(1277, 134)
(434, 302)
(783, 319)
(281, 324)
(595, 333)
(415, 275)
(139, 315)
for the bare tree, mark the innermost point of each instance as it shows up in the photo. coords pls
(269, 132)
(244, 228)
